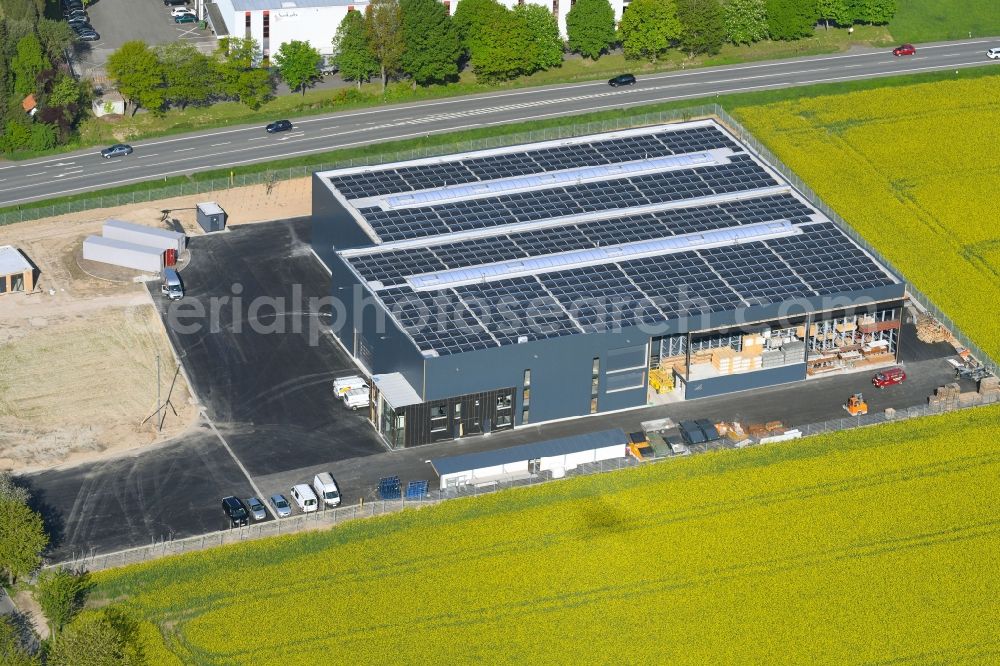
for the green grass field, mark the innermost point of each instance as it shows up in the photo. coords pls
(916, 170)
(935, 20)
(877, 545)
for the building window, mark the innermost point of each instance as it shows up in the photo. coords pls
(447, 7)
(246, 23)
(525, 396)
(439, 417)
(267, 24)
(555, 7)
(595, 382)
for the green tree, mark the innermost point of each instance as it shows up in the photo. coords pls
(704, 26)
(298, 64)
(791, 19)
(105, 637)
(27, 64)
(22, 532)
(745, 21)
(56, 37)
(16, 136)
(354, 58)
(477, 20)
(874, 12)
(190, 76)
(590, 25)
(837, 11)
(139, 75)
(432, 47)
(65, 92)
(12, 491)
(12, 650)
(240, 79)
(383, 25)
(43, 136)
(545, 48)
(60, 594)
(648, 28)
(499, 50)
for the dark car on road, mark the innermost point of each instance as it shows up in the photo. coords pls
(279, 126)
(235, 511)
(889, 377)
(622, 80)
(904, 49)
(174, 3)
(88, 36)
(185, 18)
(117, 150)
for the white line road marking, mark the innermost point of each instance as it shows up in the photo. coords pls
(224, 143)
(59, 164)
(618, 103)
(257, 138)
(243, 469)
(184, 150)
(68, 173)
(145, 156)
(29, 175)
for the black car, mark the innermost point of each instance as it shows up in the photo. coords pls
(622, 80)
(235, 511)
(72, 4)
(74, 13)
(78, 20)
(279, 126)
(174, 3)
(89, 36)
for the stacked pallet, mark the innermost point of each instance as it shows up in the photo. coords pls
(930, 330)
(989, 387)
(661, 380)
(949, 393)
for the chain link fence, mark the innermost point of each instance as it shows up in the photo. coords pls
(153, 192)
(330, 518)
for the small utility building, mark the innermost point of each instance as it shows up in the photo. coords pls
(16, 272)
(547, 281)
(556, 456)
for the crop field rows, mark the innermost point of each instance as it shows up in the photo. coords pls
(916, 170)
(858, 546)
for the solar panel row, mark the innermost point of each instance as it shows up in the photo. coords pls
(609, 151)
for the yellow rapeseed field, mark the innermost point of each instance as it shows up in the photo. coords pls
(916, 170)
(877, 545)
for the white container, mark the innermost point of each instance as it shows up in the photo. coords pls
(121, 253)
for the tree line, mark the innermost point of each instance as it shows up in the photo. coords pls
(32, 62)
(108, 636)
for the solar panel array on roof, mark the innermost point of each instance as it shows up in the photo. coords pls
(609, 151)
(499, 295)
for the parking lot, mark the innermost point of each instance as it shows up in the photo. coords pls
(120, 21)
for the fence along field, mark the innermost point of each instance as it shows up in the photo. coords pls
(916, 170)
(860, 546)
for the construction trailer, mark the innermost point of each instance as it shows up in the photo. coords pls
(16, 272)
(211, 217)
(123, 253)
(556, 456)
(139, 234)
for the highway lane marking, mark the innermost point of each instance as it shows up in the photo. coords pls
(257, 138)
(150, 155)
(617, 104)
(29, 175)
(184, 150)
(224, 143)
(68, 173)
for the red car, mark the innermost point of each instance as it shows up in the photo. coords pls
(905, 49)
(889, 377)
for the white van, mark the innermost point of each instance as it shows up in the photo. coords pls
(326, 489)
(171, 286)
(305, 498)
(357, 397)
(342, 385)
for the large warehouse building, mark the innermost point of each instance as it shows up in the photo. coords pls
(273, 22)
(494, 289)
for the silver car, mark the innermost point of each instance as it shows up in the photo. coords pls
(257, 509)
(281, 506)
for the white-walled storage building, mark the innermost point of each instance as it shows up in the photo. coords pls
(274, 22)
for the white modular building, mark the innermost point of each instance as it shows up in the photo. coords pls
(556, 456)
(273, 22)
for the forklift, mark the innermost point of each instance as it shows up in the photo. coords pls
(856, 405)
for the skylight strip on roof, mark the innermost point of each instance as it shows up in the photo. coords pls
(561, 261)
(548, 179)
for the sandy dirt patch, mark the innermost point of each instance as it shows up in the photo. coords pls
(78, 356)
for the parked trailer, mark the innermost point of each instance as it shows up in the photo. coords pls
(143, 235)
(121, 253)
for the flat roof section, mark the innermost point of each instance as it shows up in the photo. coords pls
(589, 234)
(12, 261)
(396, 390)
(514, 454)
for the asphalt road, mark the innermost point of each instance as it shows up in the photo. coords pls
(83, 171)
